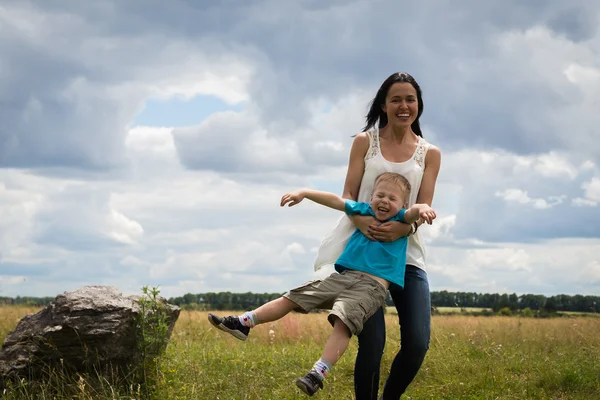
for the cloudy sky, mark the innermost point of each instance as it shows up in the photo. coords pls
(149, 143)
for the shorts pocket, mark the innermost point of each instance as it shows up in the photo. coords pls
(371, 302)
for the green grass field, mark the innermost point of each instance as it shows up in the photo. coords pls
(446, 310)
(469, 358)
(454, 310)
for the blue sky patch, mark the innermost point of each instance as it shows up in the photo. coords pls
(178, 112)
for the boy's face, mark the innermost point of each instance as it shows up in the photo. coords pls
(387, 200)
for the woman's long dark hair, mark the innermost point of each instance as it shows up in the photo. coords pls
(376, 112)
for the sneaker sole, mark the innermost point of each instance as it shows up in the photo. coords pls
(303, 387)
(237, 334)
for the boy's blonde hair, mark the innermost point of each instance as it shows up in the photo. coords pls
(395, 179)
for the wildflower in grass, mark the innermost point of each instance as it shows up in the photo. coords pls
(271, 335)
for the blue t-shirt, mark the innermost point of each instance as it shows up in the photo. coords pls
(386, 260)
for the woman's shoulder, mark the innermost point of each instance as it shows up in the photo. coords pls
(362, 136)
(433, 156)
(362, 140)
(429, 147)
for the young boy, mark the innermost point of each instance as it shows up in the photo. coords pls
(365, 268)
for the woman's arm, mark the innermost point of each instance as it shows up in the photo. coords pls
(433, 161)
(356, 166)
(390, 231)
(354, 175)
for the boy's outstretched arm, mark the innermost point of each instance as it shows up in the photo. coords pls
(327, 199)
(419, 211)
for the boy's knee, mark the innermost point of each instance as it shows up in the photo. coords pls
(339, 325)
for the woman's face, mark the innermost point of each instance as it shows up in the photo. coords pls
(401, 105)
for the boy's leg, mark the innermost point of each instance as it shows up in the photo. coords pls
(351, 309)
(334, 349)
(337, 343)
(274, 310)
(239, 326)
(306, 297)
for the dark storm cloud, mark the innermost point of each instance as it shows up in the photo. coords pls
(54, 112)
(539, 208)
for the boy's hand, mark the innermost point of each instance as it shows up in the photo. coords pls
(426, 213)
(293, 198)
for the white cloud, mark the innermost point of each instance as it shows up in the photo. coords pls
(229, 81)
(592, 189)
(555, 165)
(495, 194)
(579, 74)
(263, 146)
(17, 211)
(123, 229)
(550, 267)
(521, 197)
(591, 192)
(209, 146)
(587, 165)
(441, 228)
(590, 273)
(295, 248)
(147, 139)
(583, 202)
(510, 259)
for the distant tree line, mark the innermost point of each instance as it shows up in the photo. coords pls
(561, 302)
(249, 300)
(496, 302)
(223, 300)
(26, 301)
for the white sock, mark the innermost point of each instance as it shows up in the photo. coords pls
(249, 319)
(322, 367)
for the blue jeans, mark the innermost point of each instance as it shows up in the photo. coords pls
(413, 304)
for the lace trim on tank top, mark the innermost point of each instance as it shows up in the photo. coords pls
(419, 155)
(374, 141)
(422, 148)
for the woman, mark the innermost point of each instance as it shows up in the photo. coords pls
(391, 141)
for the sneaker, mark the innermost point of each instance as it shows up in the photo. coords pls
(231, 325)
(310, 383)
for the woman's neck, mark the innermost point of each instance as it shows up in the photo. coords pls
(398, 134)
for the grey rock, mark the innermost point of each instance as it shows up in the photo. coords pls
(90, 329)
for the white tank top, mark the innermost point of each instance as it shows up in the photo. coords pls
(333, 244)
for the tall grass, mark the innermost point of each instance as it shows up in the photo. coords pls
(469, 358)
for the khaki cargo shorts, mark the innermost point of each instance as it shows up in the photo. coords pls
(352, 296)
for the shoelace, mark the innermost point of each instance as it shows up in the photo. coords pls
(313, 378)
(233, 321)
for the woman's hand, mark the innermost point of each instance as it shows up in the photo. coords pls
(388, 231)
(363, 223)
